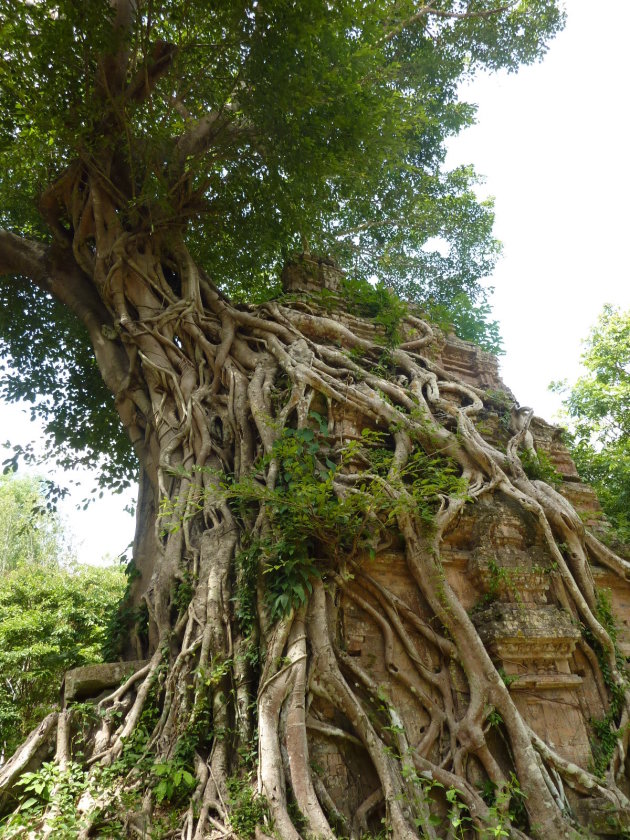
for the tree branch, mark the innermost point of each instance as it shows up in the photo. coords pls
(428, 9)
(147, 76)
(202, 133)
(54, 270)
(113, 65)
(26, 257)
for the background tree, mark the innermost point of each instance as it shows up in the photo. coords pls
(598, 411)
(160, 160)
(29, 533)
(53, 612)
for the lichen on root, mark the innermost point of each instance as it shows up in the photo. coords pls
(285, 448)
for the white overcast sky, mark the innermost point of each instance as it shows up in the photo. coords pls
(553, 143)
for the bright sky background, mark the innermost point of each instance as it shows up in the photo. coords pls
(553, 142)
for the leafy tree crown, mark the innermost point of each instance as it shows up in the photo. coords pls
(257, 128)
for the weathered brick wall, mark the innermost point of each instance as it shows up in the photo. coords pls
(496, 561)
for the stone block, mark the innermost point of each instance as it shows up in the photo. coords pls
(603, 818)
(308, 273)
(517, 633)
(91, 680)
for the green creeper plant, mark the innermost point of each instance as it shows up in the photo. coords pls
(308, 519)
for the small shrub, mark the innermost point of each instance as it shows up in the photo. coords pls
(538, 467)
(175, 781)
(247, 809)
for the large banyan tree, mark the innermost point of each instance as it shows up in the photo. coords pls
(299, 447)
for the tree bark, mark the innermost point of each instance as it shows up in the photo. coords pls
(213, 397)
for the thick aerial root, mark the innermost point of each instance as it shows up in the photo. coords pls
(133, 716)
(275, 687)
(32, 752)
(329, 682)
(296, 738)
(237, 687)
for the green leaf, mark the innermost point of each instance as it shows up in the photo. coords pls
(160, 791)
(28, 803)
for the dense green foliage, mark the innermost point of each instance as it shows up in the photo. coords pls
(329, 128)
(470, 320)
(52, 611)
(598, 414)
(248, 809)
(309, 520)
(51, 619)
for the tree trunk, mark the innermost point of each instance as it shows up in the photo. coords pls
(289, 458)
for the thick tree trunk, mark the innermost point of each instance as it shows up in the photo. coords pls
(249, 423)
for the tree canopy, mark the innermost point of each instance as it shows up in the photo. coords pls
(598, 412)
(255, 128)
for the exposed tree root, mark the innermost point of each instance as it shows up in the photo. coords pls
(238, 685)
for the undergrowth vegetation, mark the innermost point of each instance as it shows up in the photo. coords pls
(311, 525)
